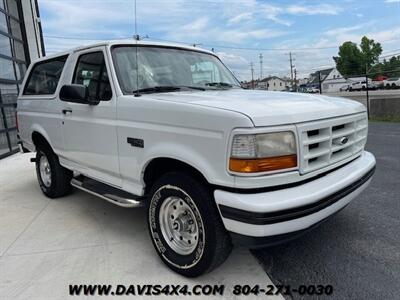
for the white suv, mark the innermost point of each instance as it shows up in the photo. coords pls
(391, 83)
(168, 126)
(362, 85)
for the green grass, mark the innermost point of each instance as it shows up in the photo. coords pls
(386, 119)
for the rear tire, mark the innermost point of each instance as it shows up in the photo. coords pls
(185, 226)
(54, 179)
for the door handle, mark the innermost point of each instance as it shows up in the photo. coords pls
(67, 110)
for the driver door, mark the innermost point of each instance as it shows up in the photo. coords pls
(89, 131)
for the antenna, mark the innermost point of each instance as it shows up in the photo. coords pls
(135, 12)
(137, 94)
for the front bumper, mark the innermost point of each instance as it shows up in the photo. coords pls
(294, 209)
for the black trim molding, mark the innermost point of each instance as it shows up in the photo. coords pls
(280, 186)
(264, 218)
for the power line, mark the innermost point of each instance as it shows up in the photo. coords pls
(207, 45)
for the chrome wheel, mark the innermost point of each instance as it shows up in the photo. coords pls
(178, 225)
(45, 171)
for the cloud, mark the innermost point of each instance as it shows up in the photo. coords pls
(321, 9)
(273, 13)
(241, 23)
(240, 18)
(343, 30)
(233, 61)
(198, 25)
(355, 33)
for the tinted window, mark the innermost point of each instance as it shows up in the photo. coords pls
(12, 8)
(5, 46)
(44, 77)
(15, 28)
(91, 71)
(19, 50)
(3, 22)
(7, 69)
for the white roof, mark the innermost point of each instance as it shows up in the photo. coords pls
(127, 42)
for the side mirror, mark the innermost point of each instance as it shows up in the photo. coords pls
(76, 93)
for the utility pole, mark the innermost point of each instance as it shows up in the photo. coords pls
(295, 80)
(367, 88)
(261, 66)
(319, 82)
(252, 75)
(291, 60)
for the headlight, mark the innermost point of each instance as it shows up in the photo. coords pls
(263, 152)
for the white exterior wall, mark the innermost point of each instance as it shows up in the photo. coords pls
(33, 34)
(334, 74)
(333, 82)
(276, 84)
(333, 85)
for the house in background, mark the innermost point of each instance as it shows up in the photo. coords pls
(274, 83)
(331, 80)
(21, 42)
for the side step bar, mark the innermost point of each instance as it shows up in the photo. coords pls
(106, 192)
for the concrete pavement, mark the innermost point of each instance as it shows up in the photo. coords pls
(45, 245)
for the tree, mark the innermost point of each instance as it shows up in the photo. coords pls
(370, 52)
(354, 60)
(349, 62)
(389, 68)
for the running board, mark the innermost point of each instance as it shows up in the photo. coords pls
(106, 192)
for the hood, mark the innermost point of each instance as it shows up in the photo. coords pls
(266, 108)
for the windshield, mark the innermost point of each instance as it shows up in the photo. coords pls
(168, 69)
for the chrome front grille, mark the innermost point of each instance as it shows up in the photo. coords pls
(328, 142)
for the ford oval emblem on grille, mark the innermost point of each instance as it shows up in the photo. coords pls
(343, 140)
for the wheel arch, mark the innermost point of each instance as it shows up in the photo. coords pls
(159, 166)
(40, 139)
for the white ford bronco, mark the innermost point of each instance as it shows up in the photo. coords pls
(169, 127)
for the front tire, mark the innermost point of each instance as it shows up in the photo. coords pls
(185, 226)
(54, 179)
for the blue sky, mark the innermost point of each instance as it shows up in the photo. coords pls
(312, 30)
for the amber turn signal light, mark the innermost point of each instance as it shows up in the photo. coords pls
(262, 164)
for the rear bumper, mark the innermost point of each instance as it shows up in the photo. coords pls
(294, 209)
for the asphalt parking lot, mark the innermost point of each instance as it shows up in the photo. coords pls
(358, 250)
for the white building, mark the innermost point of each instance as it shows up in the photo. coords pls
(20, 43)
(331, 80)
(273, 83)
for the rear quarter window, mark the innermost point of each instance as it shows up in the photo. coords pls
(44, 76)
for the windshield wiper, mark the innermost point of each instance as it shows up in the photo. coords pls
(157, 89)
(192, 87)
(167, 88)
(219, 84)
